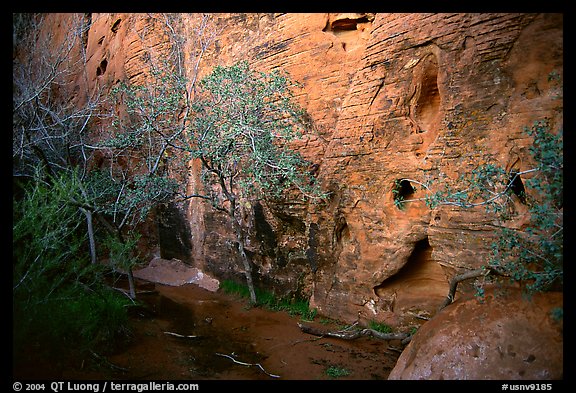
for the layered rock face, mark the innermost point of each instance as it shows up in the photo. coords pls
(394, 100)
(437, 94)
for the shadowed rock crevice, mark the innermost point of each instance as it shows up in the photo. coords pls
(86, 29)
(341, 232)
(102, 67)
(264, 232)
(311, 251)
(174, 233)
(116, 25)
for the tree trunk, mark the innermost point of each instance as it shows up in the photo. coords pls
(247, 266)
(131, 285)
(466, 276)
(88, 215)
(118, 234)
(245, 261)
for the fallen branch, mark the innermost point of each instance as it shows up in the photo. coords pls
(351, 335)
(248, 364)
(179, 335)
(483, 271)
(151, 292)
(394, 349)
(296, 342)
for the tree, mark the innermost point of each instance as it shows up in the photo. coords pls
(50, 128)
(145, 147)
(238, 123)
(243, 126)
(53, 127)
(60, 300)
(533, 254)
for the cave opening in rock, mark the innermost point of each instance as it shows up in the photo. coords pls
(348, 23)
(102, 67)
(403, 190)
(419, 285)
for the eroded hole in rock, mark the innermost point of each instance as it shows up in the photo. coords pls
(420, 286)
(102, 67)
(116, 25)
(517, 187)
(345, 24)
(402, 191)
(341, 231)
(101, 40)
(428, 103)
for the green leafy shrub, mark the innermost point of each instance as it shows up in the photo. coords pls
(533, 254)
(243, 130)
(379, 327)
(337, 372)
(59, 300)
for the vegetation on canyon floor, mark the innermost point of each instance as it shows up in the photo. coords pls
(267, 299)
(337, 372)
(60, 299)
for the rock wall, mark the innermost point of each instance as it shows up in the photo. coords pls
(390, 97)
(432, 95)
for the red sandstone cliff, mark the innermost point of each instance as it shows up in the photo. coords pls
(390, 96)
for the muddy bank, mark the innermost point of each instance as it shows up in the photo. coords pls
(223, 333)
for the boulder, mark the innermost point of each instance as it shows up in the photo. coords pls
(503, 336)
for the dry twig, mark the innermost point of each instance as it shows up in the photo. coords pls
(179, 335)
(248, 364)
